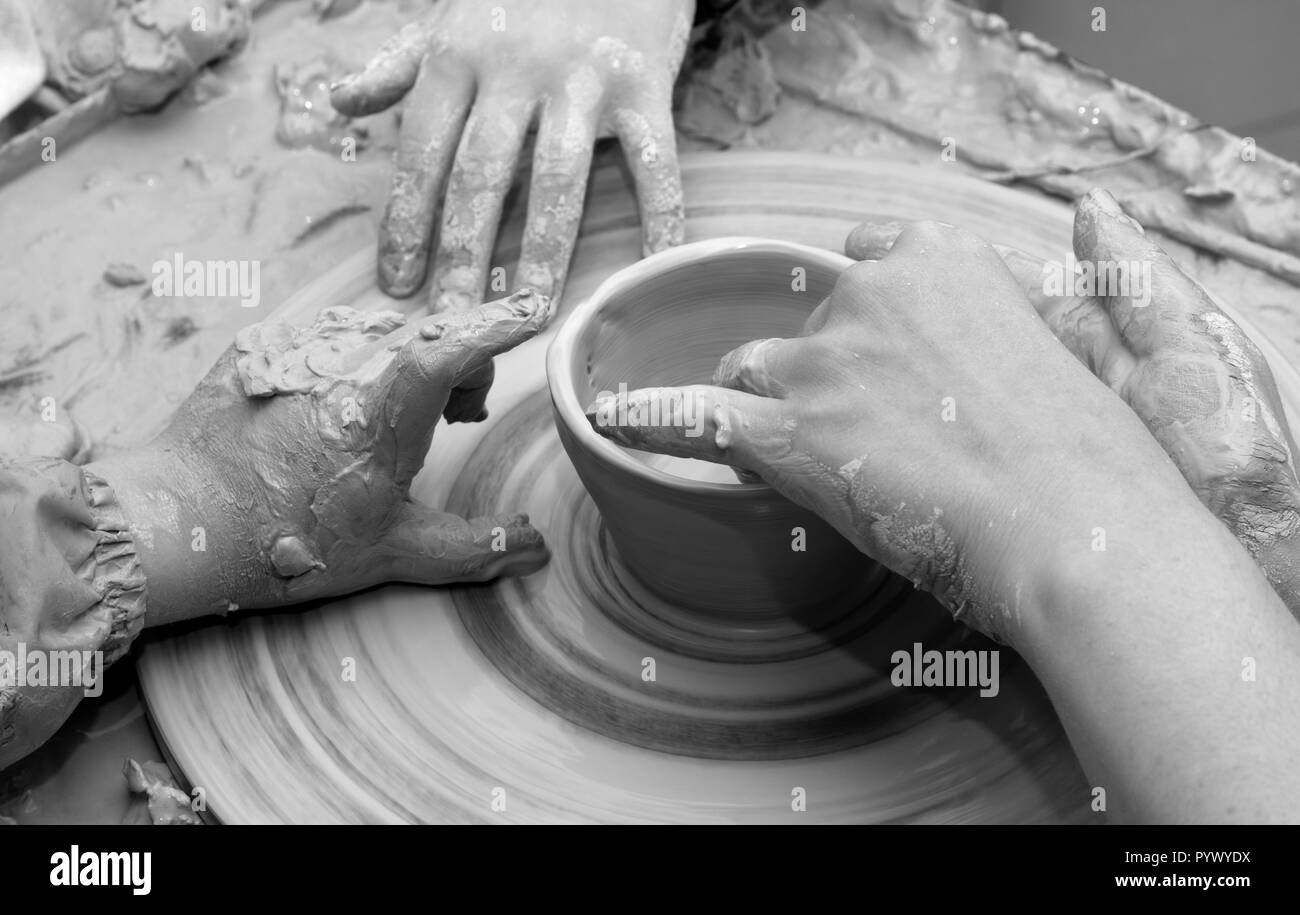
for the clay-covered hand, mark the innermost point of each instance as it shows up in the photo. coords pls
(1200, 385)
(286, 474)
(475, 75)
(933, 419)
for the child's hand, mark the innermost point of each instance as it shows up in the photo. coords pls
(293, 459)
(476, 74)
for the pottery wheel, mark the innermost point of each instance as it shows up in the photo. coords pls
(532, 699)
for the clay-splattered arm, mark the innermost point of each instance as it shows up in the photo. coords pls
(475, 75)
(1199, 384)
(286, 475)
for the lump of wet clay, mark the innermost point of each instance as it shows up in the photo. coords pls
(282, 359)
(307, 119)
(123, 275)
(142, 51)
(168, 805)
(291, 557)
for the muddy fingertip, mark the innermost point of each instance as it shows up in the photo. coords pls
(1099, 203)
(527, 300)
(525, 547)
(872, 239)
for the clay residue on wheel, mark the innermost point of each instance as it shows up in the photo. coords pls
(144, 51)
(1017, 107)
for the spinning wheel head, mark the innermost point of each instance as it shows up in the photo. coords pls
(689, 531)
(538, 684)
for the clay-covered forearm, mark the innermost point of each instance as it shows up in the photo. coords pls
(185, 520)
(1175, 669)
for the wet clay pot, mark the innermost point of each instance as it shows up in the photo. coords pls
(689, 531)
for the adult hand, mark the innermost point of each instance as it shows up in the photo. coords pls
(934, 419)
(475, 75)
(286, 474)
(1200, 385)
(930, 415)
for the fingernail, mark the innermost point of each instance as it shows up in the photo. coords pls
(396, 280)
(461, 418)
(1110, 206)
(600, 404)
(1105, 202)
(525, 302)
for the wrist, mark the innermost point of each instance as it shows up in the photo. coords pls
(1062, 521)
(156, 492)
(1134, 545)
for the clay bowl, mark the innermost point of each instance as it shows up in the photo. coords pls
(687, 530)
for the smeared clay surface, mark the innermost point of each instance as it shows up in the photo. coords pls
(280, 359)
(142, 51)
(1057, 123)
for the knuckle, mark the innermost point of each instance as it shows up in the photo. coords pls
(941, 233)
(560, 158)
(742, 365)
(929, 230)
(932, 228)
(862, 277)
(872, 240)
(818, 354)
(754, 363)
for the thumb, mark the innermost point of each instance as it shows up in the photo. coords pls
(1154, 304)
(429, 547)
(388, 76)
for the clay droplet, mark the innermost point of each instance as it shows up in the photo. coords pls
(292, 557)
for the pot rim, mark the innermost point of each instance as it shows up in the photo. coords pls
(559, 356)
